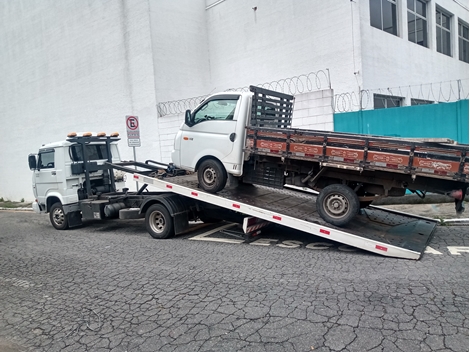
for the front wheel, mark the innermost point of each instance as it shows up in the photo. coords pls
(337, 204)
(159, 222)
(58, 218)
(212, 176)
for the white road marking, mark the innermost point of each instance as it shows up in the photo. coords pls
(263, 242)
(455, 250)
(17, 282)
(203, 236)
(431, 250)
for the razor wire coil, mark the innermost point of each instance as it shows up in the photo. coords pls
(293, 85)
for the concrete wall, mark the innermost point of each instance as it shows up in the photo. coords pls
(253, 42)
(180, 48)
(314, 110)
(69, 66)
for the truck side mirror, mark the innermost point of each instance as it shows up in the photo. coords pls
(32, 161)
(187, 118)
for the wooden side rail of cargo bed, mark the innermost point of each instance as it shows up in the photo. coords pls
(363, 152)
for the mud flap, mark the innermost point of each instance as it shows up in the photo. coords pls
(74, 218)
(181, 222)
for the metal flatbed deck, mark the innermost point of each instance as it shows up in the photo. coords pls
(375, 229)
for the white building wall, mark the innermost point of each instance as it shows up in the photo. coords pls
(180, 48)
(252, 42)
(394, 61)
(69, 66)
(244, 45)
(181, 65)
(75, 65)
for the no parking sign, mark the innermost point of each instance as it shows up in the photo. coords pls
(133, 133)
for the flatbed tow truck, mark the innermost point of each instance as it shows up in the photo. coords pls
(247, 138)
(178, 199)
(375, 229)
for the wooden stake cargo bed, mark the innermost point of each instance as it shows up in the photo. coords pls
(361, 152)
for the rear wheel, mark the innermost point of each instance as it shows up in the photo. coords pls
(212, 176)
(58, 218)
(159, 222)
(337, 204)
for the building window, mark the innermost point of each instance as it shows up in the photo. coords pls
(463, 41)
(387, 101)
(417, 22)
(383, 15)
(421, 102)
(443, 32)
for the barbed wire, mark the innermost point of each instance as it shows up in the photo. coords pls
(293, 85)
(440, 92)
(447, 91)
(179, 106)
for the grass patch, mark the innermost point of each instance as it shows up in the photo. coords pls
(8, 204)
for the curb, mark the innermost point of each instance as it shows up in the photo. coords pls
(19, 209)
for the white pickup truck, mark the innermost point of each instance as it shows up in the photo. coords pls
(212, 139)
(249, 135)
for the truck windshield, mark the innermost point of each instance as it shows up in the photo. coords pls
(218, 109)
(93, 151)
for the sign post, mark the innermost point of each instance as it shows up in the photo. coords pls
(133, 136)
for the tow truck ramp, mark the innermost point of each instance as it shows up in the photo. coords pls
(375, 229)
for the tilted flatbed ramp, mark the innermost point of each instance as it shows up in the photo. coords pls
(376, 230)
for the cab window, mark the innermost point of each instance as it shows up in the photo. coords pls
(218, 109)
(94, 152)
(46, 159)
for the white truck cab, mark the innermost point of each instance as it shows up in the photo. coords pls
(216, 128)
(213, 137)
(58, 171)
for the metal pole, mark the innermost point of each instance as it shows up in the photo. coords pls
(135, 167)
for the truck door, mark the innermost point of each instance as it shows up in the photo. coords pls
(212, 132)
(45, 175)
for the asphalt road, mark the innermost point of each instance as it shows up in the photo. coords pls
(111, 287)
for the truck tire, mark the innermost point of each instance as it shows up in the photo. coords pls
(159, 222)
(58, 218)
(337, 204)
(212, 176)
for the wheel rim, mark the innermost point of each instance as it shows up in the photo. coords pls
(58, 216)
(209, 176)
(157, 222)
(336, 205)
